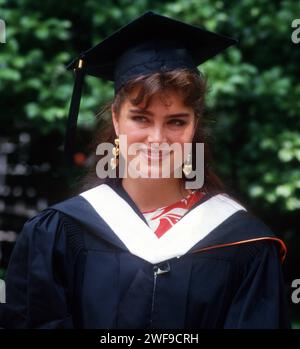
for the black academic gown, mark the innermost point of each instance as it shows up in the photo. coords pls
(69, 269)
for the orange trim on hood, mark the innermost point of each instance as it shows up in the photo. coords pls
(283, 248)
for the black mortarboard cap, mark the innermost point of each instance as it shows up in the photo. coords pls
(149, 44)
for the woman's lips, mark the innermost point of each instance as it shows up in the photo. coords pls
(155, 154)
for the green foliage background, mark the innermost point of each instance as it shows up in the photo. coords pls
(254, 93)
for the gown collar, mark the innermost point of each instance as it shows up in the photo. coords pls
(127, 222)
(108, 213)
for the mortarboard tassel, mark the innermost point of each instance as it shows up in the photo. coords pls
(70, 135)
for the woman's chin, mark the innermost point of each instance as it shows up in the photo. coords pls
(145, 166)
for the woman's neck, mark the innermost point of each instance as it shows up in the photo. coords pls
(149, 194)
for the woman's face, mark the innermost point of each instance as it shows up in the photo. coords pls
(165, 122)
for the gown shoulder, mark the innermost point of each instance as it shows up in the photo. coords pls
(42, 263)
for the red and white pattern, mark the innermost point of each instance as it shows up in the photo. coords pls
(163, 218)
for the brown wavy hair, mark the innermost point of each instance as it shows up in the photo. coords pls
(192, 87)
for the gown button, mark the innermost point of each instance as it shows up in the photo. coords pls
(162, 268)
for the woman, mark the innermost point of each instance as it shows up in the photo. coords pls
(145, 250)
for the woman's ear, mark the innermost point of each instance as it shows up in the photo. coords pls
(115, 120)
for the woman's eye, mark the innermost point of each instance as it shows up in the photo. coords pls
(139, 119)
(177, 122)
(174, 122)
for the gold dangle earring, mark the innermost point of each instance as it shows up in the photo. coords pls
(187, 168)
(115, 152)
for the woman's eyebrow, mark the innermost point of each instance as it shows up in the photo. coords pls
(147, 112)
(141, 111)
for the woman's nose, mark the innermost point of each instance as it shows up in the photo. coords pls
(156, 134)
